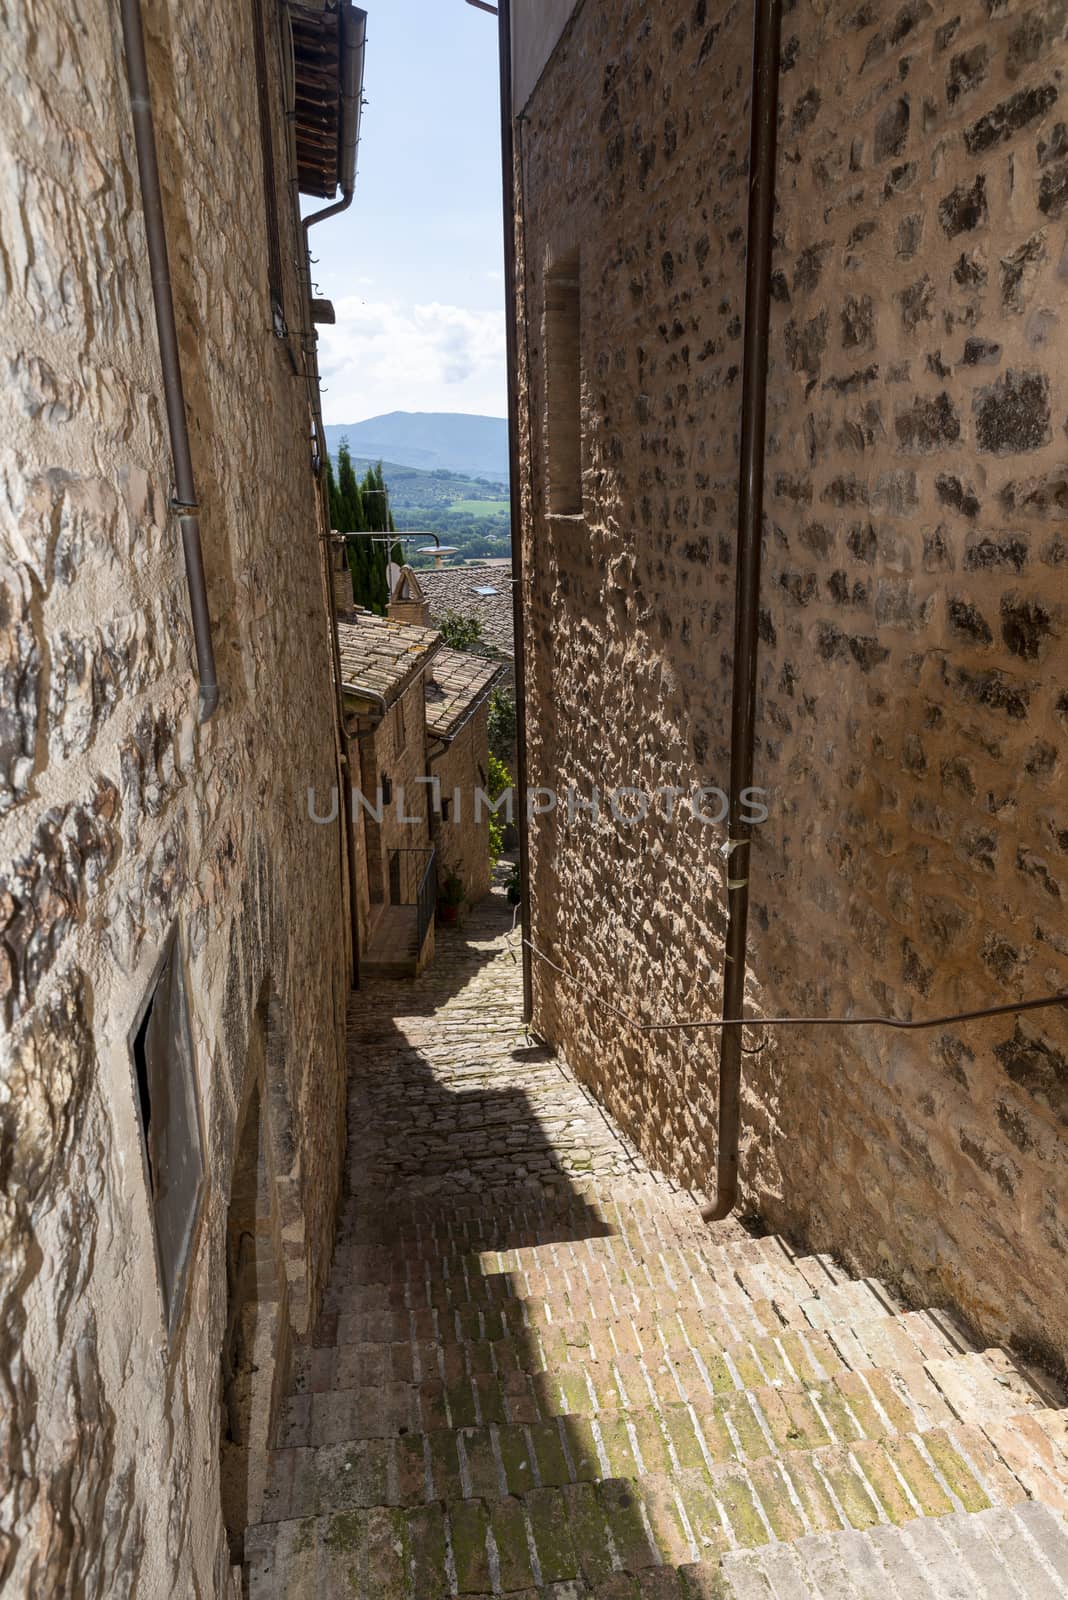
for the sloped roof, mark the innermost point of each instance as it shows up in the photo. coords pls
(382, 655)
(328, 56)
(454, 685)
(454, 589)
(407, 589)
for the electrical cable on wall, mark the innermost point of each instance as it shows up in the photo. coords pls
(1005, 1010)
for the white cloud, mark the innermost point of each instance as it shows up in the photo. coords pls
(383, 356)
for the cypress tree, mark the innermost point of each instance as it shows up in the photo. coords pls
(351, 505)
(333, 497)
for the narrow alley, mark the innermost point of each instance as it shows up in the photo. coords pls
(534, 800)
(537, 1371)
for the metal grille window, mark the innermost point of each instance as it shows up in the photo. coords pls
(270, 181)
(168, 1103)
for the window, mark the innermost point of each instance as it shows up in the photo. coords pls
(168, 1104)
(563, 383)
(446, 810)
(400, 732)
(270, 181)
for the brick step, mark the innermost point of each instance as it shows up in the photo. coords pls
(598, 1273)
(702, 1350)
(535, 1213)
(487, 1308)
(630, 1240)
(676, 1360)
(472, 1381)
(451, 1537)
(650, 1422)
(1006, 1553)
(1010, 1553)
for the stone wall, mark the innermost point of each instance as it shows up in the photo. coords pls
(394, 748)
(120, 814)
(462, 843)
(913, 707)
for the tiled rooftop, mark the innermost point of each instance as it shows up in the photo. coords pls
(382, 655)
(454, 684)
(456, 589)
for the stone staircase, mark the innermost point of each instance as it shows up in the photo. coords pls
(507, 1399)
(538, 1373)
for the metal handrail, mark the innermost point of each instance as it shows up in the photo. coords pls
(413, 881)
(427, 899)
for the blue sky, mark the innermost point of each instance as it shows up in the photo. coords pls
(414, 267)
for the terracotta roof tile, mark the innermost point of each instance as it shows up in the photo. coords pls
(454, 685)
(454, 589)
(382, 655)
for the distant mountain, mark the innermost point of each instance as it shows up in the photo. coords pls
(448, 441)
(468, 511)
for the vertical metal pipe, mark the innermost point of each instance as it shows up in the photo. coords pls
(504, 39)
(764, 110)
(185, 495)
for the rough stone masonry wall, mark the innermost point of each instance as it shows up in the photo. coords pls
(913, 705)
(119, 814)
(462, 843)
(914, 680)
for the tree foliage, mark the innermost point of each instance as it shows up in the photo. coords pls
(502, 724)
(500, 779)
(459, 632)
(363, 507)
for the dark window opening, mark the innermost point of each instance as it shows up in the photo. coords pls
(387, 790)
(446, 810)
(144, 1091)
(270, 180)
(168, 1107)
(563, 383)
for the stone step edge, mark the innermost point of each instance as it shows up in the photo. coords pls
(1039, 1551)
(997, 1404)
(981, 1474)
(537, 1343)
(845, 1300)
(936, 1346)
(710, 1512)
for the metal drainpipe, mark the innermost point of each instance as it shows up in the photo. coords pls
(184, 502)
(764, 118)
(504, 40)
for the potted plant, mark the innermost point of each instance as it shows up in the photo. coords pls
(450, 897)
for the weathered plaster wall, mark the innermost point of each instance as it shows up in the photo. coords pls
(912, 712)
(119, 813)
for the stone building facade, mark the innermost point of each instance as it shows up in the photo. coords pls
(913, 680)
(457, 725)
(384, 665)
(124, 819)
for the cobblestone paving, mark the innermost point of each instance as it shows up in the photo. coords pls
(538, 1374)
